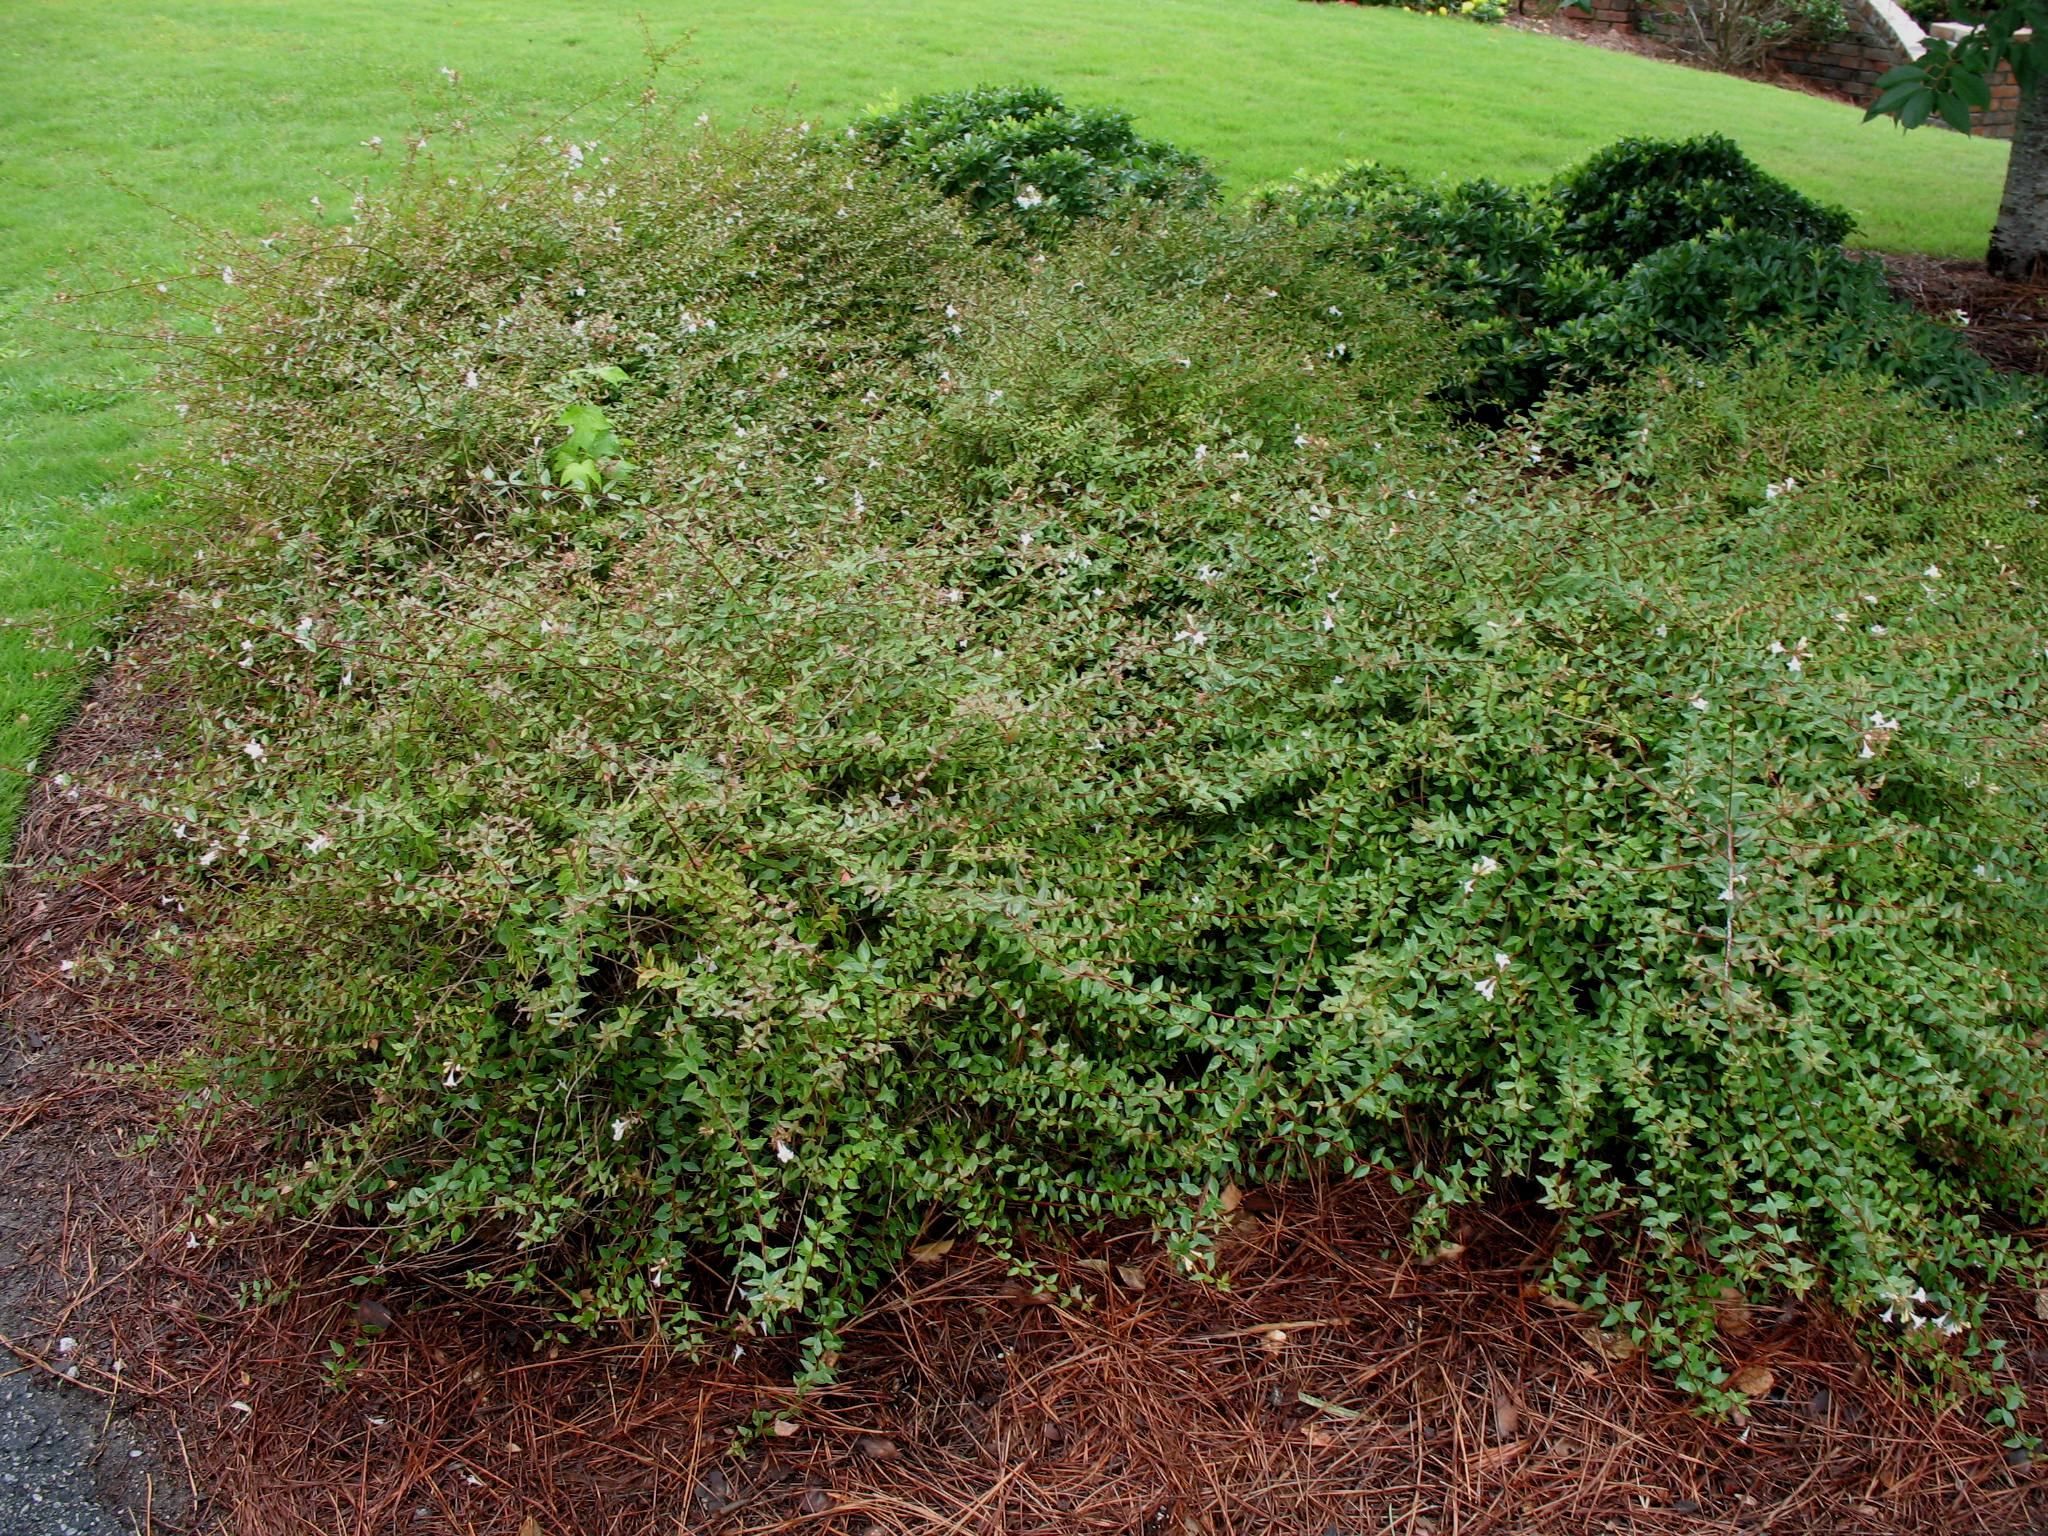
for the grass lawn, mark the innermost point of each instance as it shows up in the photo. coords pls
(232, 113)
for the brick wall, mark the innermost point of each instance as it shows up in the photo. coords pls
(1880, 37)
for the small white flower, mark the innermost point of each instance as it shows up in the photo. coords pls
(784, 1152)
(1029, 197)
(67, 966)
(1777, 648)
(1879, 630)
(1879, 721)
(319, 843)
(1699, 703)
(1483, 866)
(1662, 631)
(227, 275)
(1500, 959)
(620, 1126)
(1485, 986)
(1932, 573)
(66, 1345)
(470, 379)
(452, 1075)
(253, 750)
(1201, 452)
(1207, 575)
(1194, 637)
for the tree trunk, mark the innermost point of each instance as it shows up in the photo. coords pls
(2019, 240)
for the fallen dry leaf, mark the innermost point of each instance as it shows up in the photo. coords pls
(931, 1253)
(1752, 1380)
(1507, 1414)
(1132, 1276)
(2041, 1305)
(1731, 1313)
(1551, 1299)
(372, 1316)
(530, 1527)
(1612, 1344)
(1487, 1460)
(877, 1447)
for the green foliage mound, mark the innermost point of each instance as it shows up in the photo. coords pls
(1713, 297)
(1020, 157)
(1638, 196)
(994, 743)
(1649, 246)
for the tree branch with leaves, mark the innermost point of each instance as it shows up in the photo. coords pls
(1951, 80)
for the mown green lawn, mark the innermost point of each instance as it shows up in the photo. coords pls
(116, 115)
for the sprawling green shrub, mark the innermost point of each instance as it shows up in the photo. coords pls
(1000, 743)
(1020, 156)
(1638, 196)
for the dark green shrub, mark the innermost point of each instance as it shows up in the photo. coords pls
(1709, 298)
(1638, 196)
(1649, 247)
(1019, 155)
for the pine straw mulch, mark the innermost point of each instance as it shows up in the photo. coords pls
(2007, 321)
(1338, 1386)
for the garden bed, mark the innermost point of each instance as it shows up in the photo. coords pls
(1337, 1384)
